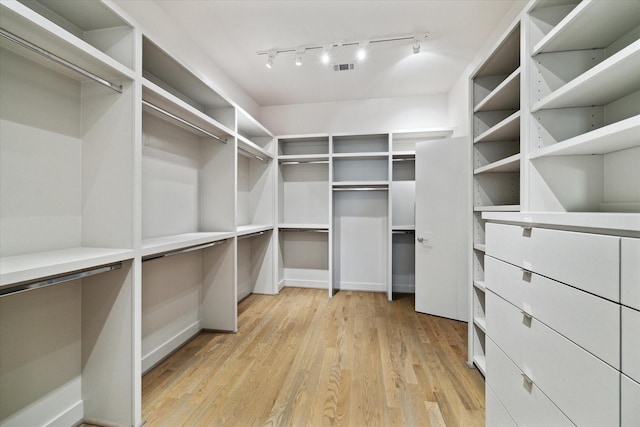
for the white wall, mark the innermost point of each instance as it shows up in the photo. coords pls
(371, 115)
(159, 27)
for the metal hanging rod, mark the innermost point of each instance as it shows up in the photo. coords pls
(360, 189)
(250, 154)
(183, 121)
(300, 162)
(55, 58)
(405, 159)
(183, 250)
(23, 287)
(403, 232)
(305, 230)
(257, 233)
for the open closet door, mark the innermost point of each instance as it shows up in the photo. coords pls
(443, 184)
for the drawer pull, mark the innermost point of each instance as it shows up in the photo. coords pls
(527, 380)
(527, 316)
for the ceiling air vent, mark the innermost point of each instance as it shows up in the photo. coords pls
(343, 67)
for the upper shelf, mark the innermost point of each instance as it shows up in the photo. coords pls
(31, 267)
(509, 164)
(164, 244)
(505, 57)
(302, 158)
(506, 130)
(254, 150)
(614, 137)
(613, 78)
(506, 96)
(250, 128)
(245, 230)
(591, 25)
(25, 23)
(355, 156)
(604, 221)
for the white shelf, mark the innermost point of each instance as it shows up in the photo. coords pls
(403, 228)
(481, 323)
(613, 78)
(26, 268)
(381, 184)
(497, 208)
(303, 157)
(356, 156)
(614, 137)
(505, 57)
(506, 130)
(510, 164)
(243, 230)
(481, 363)
(253, 149)
(506, 96)
(598, 220)
(479, 247)
(158, 245)
(31, 26)
(303, 227)
(591, 24)
(165, 100)
(404, 154)
(249, 127)
(479, 284)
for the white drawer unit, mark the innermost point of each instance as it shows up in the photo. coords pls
(584, 387)
(589, 323)
(526, 403)
(497, 415)
(590, 262)
(629, 402)
(630, 272)
(631, 343)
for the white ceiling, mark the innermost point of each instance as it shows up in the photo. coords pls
(233, 31)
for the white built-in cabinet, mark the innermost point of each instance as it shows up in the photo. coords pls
(556, 313)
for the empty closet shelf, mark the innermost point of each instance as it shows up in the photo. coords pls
(404, 229)
(322, 228)
(505, 96)
(162, 245)
(244, 230)
(509, 164)
(506, 130)
(32, 267)
(360, 185)
(597, 220)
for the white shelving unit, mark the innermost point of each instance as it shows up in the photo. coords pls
(497, 159)
(66, 191)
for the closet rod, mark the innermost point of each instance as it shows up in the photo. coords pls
(55, 58)
(405, 159)
(246, 236)
(305, 230)
(403, 232)
(23, 287)
(250, 154)
(300, 162)
(361, 189)
(183, 121)
(183, 250)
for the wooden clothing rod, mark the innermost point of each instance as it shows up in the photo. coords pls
(40, 283)
(183, 250)
(183, 121)
(55, 58)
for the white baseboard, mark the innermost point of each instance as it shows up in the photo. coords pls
(243, 293)
(310, 284)
(366, 287)
(405, 288)
(71, 416)
(281, 285)
(169, 346)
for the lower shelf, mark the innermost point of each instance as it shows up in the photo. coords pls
(481, 364)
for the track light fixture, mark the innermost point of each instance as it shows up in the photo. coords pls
(327, 49)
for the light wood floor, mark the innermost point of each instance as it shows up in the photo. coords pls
(302, 359)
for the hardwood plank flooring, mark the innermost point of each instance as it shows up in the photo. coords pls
(302, 359)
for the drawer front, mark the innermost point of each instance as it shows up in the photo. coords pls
(630, 272)
(631, 343)
(585, 388)
(586, 261)
(496, 414)
(526, 403)
(590, 321)
(629, 402)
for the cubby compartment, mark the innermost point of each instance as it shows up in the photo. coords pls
(303, 193)
(66, 353)
(403, 265)
(164, 74)
(480, 328)
(255, 200)
(496, 191)
(404, 143)
(403, 193)
(303, 147)
(359, 144)
(254, 137)
(255, 264)
(303, 258)
(184, 292)
(361, 170)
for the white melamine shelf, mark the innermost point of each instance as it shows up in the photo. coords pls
(504, 58)
(159, 97)
(479, 247)
(497, 208)
(598, 220)
(506, 130)
(250, 127)
(607, 139)
(506, 96)
(31, 26)
(612, 79)
(481, 323)
(243, 230)
(158, 245)
(509, 164)
(481, 363)
(356, 156)
(403, 227)
(31, 267)
(479, 284)
(404, 154)
(591, 25)
(253, 149)
(307, 158)
(310, 227)
(357, 184)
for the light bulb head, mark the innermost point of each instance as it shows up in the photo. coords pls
(298, 61)
(362, 51)
(270, 58)
(416, 46)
